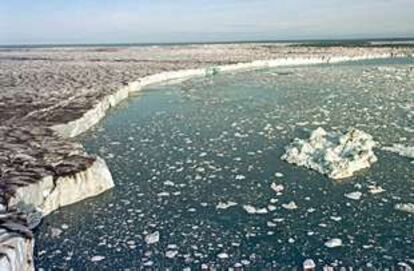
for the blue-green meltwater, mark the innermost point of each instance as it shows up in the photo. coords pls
(192, 160)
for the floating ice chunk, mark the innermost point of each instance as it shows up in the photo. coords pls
(240, 177)
(226, 205)
(171, 254)
(277, 187)
(271, 207)
(163, 194)
(337, 155)
(253, 210)
(223, 256)
(405, 207)
(249, 209)
(290, 206)
(309, 264)
(373, 189)
(97, 258)
(336, 218)
(334, 242)
(152, 238)
(268, 127)
(261, 211)
(407, 151)
(270, 224)
(56, 232)
(354, 195)
(279, 175)
(169, 183)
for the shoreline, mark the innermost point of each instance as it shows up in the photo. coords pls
(93, 116)
(97, 171)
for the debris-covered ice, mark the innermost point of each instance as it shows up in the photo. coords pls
(337, 155)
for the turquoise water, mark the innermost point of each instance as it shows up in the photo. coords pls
(177, 151)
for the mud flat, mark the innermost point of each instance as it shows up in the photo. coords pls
(48, 95)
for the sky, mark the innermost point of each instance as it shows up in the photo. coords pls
(155, 21)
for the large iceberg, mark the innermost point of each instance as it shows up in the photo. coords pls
(335, 154)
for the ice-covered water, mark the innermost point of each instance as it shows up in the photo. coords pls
(200, 182)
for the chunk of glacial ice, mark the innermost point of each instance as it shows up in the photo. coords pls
(337, 155)
(97, 258)
(373, 189)
(290, 206)
(405, 207)
(253, 210)
(225, 205)
(277, 187)
(334, 242)
(354, 195)
(152, 238)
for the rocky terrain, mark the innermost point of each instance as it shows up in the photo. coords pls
(43, 90)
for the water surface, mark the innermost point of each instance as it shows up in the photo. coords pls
(177, 151)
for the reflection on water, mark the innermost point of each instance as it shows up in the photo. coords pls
(191, 160)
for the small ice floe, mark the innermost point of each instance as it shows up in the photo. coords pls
(225, 205)
(97, 258)
(169, 183)
(407, 151)
(290, 206)
(337, 155)
(163, 194)
(336, 218)
(279, 175)
(170, 254)
(373, 189)
(405, 207)
(56, 232)
(223, 256)
(268, 127)
(240, 177)
(354, 195)
(271, 207)
(308, 265)
(152, 238)
(334, 242)
(277, 187)
(253, 210)
(271, 224)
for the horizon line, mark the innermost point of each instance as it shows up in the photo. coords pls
(126, 44)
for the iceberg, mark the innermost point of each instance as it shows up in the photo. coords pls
(335, 154)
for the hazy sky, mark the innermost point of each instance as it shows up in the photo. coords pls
(95, 21)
